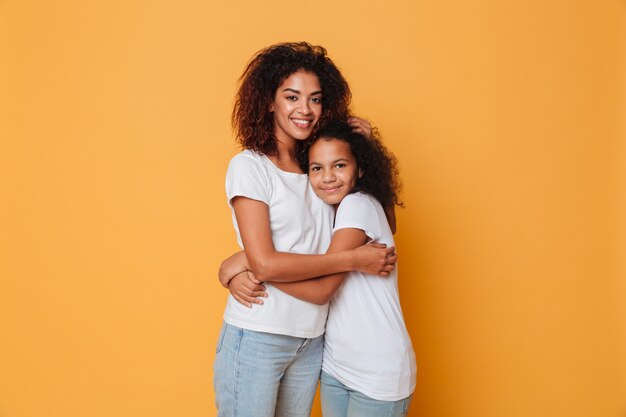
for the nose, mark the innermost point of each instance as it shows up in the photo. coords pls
(305, 107)
(328, 176)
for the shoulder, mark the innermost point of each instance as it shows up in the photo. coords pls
(246, 160)
(359, 200)
(247, 166)
(247, 176)
(359, 211)
(246, 157)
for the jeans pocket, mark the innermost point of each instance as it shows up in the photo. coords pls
(220, 339)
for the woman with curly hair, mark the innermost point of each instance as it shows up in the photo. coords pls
(269, 354)
(369, 364)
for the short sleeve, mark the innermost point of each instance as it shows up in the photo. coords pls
(246, 177)
(356, 211)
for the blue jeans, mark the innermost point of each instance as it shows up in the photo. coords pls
(341, 401)
(265, 375)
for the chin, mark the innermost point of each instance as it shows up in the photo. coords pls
(300, 135)
(332, 201)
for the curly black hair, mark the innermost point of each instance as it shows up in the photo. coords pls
(252, 121)
(379, 166)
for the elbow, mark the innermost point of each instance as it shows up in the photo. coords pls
(324, 292)
(321, 301)
(268, 267)
(262, 270)
(321, 298)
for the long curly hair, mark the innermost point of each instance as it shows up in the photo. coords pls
(251, 119)
(379, 167)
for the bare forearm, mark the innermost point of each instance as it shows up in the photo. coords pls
(321, 290)
(287, 267)
(317, 291)
(268, 264)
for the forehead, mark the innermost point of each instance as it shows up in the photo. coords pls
(330, 149)
(301, 79)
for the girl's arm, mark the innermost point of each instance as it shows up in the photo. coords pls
(269, 264)
(247, 290)
(238, 262)
(321, 290)
(232, 266)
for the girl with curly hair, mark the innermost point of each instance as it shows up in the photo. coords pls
(269, 354)
(368, 367)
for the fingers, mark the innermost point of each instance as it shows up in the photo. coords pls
(361, 126)
(391, 259)
(250, 289)
(246, 299)
(246, 291)
(385, 273)
(358, 123)
(390, 262)
(253, 278)
(241, 301)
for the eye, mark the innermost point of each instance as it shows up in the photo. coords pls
(291, 98)
(314, 169)
(340, 165)
(316, 100)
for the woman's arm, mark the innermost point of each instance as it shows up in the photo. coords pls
(247, 290)
(269, 264)
(235, 275)
(321, 290)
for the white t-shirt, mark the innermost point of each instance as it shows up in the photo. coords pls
(300, 223)
(367, 346)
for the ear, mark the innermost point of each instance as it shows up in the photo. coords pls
(360, 173)
(271, 109)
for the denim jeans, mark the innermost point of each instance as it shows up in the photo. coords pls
(265, 375)
(341, 401)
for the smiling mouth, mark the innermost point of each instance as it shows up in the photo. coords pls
(331, 190)
(302, 122)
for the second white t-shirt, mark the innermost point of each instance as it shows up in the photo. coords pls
(367, 346)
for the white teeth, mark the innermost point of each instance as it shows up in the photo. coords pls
(301, 122)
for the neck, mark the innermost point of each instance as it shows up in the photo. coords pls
(285, 150)
(285, 157)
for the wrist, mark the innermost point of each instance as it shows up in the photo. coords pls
(226, 282)
(351, 260)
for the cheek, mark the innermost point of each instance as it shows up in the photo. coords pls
(313, 179)
(355, 177)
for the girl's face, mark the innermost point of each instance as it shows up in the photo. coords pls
(333, 171)
(297, 107)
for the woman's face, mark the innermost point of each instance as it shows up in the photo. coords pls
(297, 107)
(333, 171)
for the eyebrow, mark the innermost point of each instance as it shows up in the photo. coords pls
(334, 162)
(298, 92)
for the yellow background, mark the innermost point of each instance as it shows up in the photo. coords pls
(508, 121)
